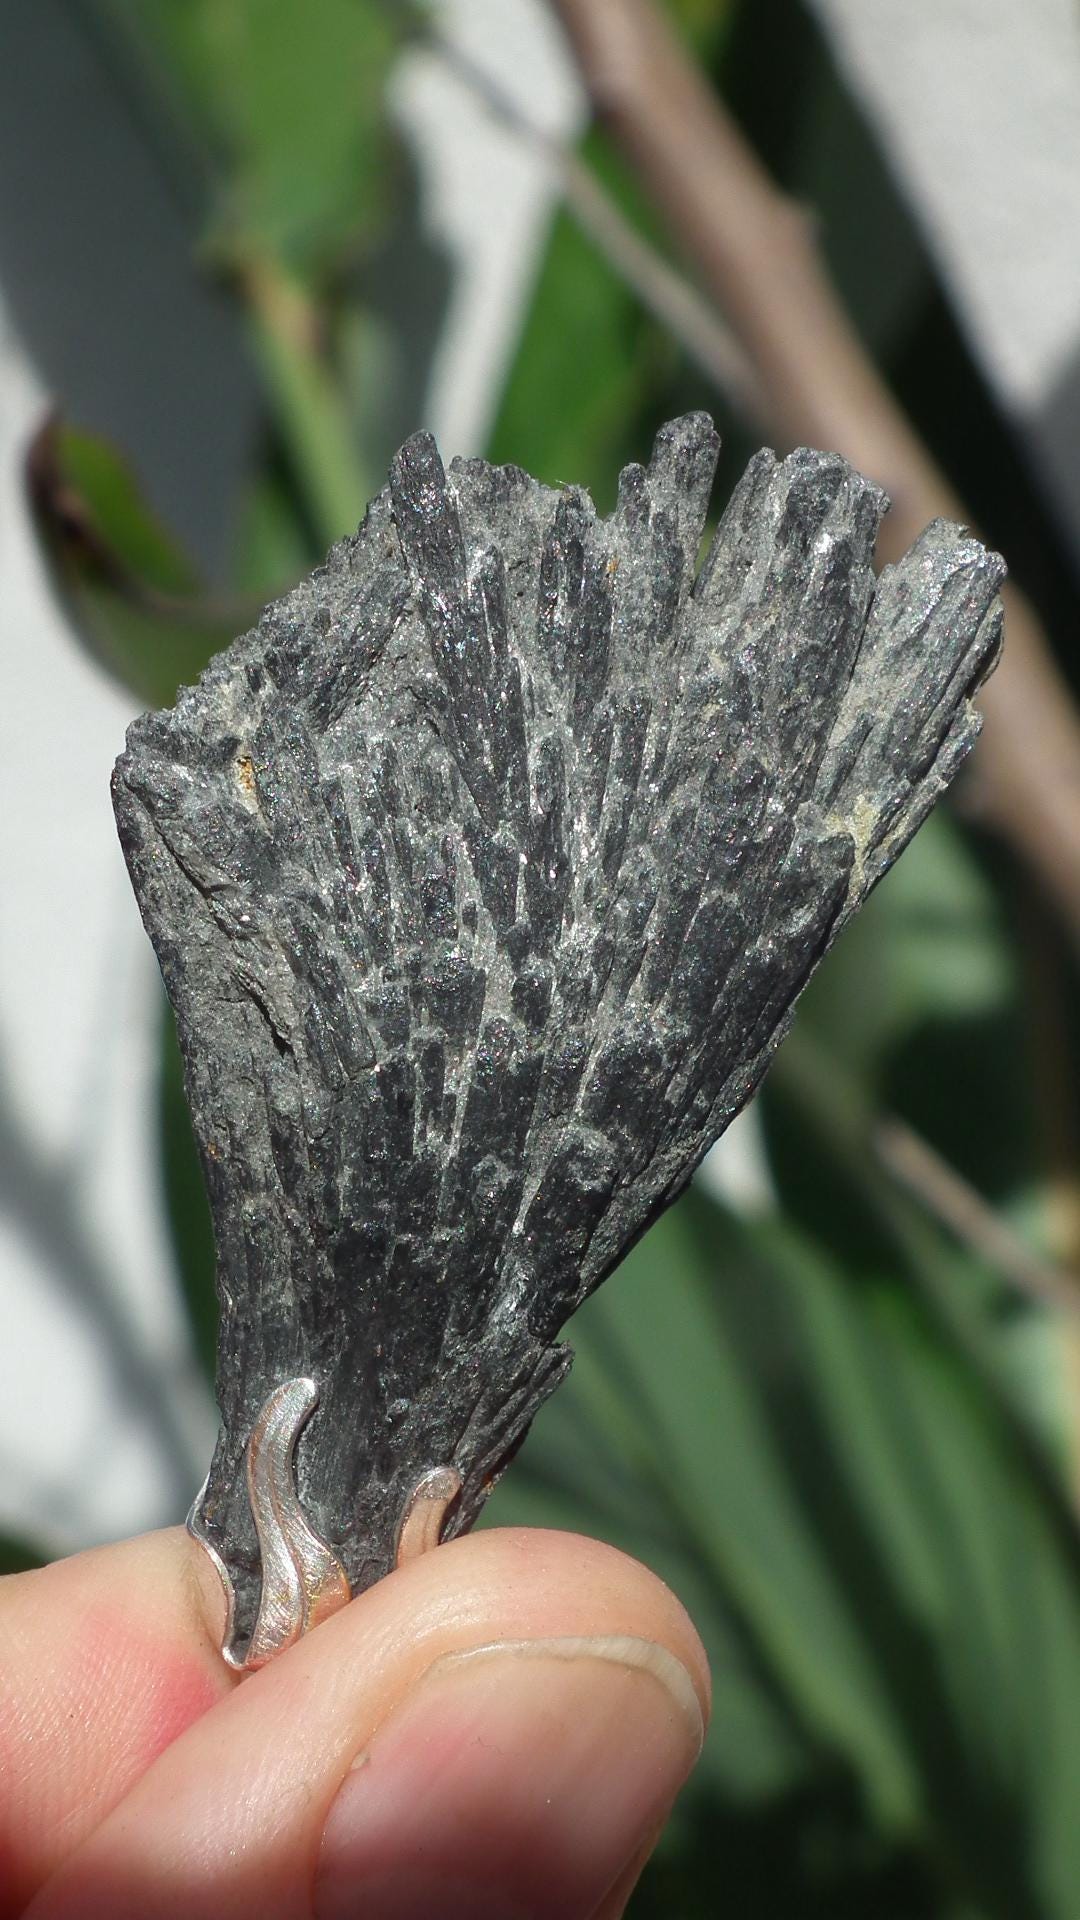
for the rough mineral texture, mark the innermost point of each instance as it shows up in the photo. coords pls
(483, 876)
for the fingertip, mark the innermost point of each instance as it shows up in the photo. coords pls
(563, 1655)
(518, 1777)
(555, 1575)
(533, 1770)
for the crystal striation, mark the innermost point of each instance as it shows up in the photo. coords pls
(483, 875)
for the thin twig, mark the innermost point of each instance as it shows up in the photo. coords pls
(948, 1196)
(756, 253)
(662, 290)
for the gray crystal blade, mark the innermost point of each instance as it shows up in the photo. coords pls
(483, 875)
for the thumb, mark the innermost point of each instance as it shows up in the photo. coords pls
(517, 1779)
(497, 1729)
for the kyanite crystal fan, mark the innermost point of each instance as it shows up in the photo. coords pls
(484, 874)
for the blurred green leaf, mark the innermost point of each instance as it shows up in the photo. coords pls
(273, 546)
(724, 1469)
(310, 408)
(819, 1125)
(817, 1466)
(18, 1556)
(585, 365)
(85, 475)
(806, 1853)
(706, 25)
(931, 943)
(285, 121)
(131, 593)
(290, 102)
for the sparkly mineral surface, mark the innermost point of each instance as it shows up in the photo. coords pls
(483, 875)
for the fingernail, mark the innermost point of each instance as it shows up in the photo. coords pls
(513, 1782)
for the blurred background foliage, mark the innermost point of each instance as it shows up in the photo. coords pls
(840, 1419)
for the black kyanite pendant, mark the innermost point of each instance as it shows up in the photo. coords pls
(483, 876)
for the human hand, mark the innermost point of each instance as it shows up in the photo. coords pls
(495, 1732)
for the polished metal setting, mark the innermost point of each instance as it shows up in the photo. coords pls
(303, 1582)
(425, 1512)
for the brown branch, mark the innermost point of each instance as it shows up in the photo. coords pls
(756, 254)
(948, 1196)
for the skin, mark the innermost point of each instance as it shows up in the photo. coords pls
(499, 1729)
